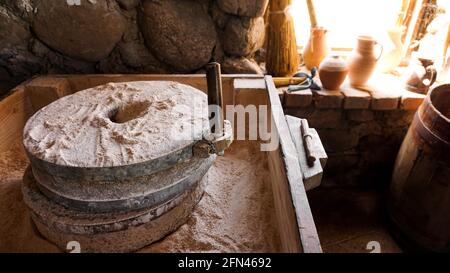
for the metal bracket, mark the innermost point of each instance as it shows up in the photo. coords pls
(215, 144)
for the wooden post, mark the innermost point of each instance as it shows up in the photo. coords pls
(426, 14)
(214, 82)
(407, 18)
(312, 13)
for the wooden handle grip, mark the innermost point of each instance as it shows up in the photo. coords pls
(307, 138)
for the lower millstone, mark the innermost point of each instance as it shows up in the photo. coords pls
(122, 194)
(108, 232)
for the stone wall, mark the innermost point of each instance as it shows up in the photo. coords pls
(129, 36)
(361, 144)
(361, 130)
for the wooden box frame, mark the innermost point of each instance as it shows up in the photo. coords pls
(293, 214)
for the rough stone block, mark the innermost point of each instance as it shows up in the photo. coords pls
(89, 31)
(243, 36)
(354, 98)
(304, 112)
(360, 115)
(328, 99)
(327, 118)
(385, 91)
(397, 118)
(338, 140)
(301, 98)
(411, 100)
(368, 128)
(184, 42)
(253, 8)
(338, 162)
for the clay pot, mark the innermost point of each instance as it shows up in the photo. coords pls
(363, 61)
(422, 74)
(316, 48)
(332, 72)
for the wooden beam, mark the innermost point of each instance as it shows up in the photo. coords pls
(287, 183)
(312, 176)
(14, 112)
(44, 90)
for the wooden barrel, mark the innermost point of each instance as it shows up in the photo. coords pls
(419, 198)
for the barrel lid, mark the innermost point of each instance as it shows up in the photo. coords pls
(118, 124)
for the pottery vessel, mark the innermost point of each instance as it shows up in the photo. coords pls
(316, 48)
(392, 59)
(363, 61)
(332, 72)
(422, 74)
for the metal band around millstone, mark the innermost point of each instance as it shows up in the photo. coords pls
(68, 221)
(115, 172)
(189, 176)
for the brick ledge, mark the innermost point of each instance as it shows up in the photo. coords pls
(384, 92)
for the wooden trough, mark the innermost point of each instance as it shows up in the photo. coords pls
(297, 231)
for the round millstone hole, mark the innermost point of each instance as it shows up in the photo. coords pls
(129, 111)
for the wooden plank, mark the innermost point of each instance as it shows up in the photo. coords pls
(14, 112)
(411, 100)
(289, 192)
(81, 82)
(354, 98)
(251, 95)
(285, 213)
(318, 148)
(328, 98)
(312, 176)
(250, 92)
(44, 90)
(302, 98)
(249, 84)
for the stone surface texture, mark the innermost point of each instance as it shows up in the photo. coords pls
(88, 31)
(127, 36)
(243, 37)
(179, 33)
(252, 8)
(97, 127)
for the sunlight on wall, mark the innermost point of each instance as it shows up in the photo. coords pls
(346, 19)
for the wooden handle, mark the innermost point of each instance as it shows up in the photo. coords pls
(285, 81)
(307, 138)
(312, 13)
(214, 82)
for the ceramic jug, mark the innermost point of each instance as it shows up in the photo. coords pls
(392, 59)
(422, 74)
(332, 72)
(363, 61)
(316, 48)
